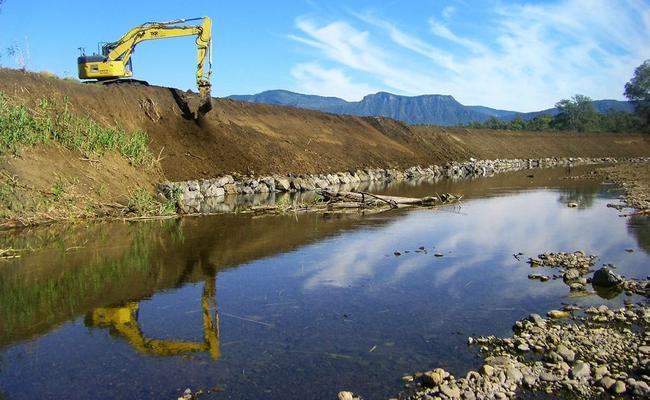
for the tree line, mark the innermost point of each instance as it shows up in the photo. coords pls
(579, 114)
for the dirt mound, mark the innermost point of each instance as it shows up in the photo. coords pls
(262, 139)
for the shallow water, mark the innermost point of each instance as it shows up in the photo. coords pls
(295, 306)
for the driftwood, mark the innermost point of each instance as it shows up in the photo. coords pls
(369, 200)
(343, 202)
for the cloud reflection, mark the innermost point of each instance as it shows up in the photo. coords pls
(484, 237)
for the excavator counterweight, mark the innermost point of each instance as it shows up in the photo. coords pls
(114, 62)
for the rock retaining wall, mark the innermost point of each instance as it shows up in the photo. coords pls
(194, 195)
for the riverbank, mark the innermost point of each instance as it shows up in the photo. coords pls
(52, 179)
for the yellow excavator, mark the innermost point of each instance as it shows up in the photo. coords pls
(114, 62)
(123, 321)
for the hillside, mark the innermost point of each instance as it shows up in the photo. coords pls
(433, 109)
(245, 138)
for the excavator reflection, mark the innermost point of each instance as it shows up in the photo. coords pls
(123, 321)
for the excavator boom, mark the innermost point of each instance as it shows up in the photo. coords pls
(115, 60)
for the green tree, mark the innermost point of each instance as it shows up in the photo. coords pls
(638, 91)
(540, 123)
(517, 124)
(575, 114)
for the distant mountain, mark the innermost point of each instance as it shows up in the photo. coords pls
(287, 98)
(432, 109)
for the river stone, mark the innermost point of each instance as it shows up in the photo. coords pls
(434, 378)
(230, 188)
(488, 370)
(307, 184)
(282, 184)
(469, 395)
(640, 388)
(269, 182)
(571, 274)
(600, 371)
(346, 395)
(604, 277)
(581, 370)
(619, 387)
(547, 377)
(514, 375)
(523, 347)
(449, 391)
(557, 314)
(530, 380)
(224, 180)
(214, 191)
(565, 353)
(537, 319)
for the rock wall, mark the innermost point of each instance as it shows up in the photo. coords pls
(218, 194)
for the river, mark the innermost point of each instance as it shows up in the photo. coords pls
(296, 306)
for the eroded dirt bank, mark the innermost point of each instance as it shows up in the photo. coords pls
(246, 139)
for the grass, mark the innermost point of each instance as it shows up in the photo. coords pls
(143, 203)
(54, 123)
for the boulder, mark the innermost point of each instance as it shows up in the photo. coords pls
(605, 277)
(282, 183)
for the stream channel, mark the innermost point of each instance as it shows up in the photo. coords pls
(296, 306)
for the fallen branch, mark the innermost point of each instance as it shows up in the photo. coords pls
(371, 200)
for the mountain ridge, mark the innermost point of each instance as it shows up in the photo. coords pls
(428, 109)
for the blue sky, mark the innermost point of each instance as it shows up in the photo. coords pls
(518, 55)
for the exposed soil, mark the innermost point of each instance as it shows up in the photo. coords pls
(257, 139)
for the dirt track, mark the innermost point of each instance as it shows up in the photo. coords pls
(257, 139)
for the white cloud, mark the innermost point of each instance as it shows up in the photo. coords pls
(526, 58)
(341, 43)
(311, 78)
(448, 11)
(442, 31)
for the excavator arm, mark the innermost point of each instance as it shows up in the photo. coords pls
(115, 60)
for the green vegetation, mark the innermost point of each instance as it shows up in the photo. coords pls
(143, 203)
(638, 90)
(579, 114)
(21, 127)
(575, 114)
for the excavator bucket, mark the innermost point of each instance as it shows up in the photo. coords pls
(206, 99)
(205, 106)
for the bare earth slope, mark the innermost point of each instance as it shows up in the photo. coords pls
(262, 139)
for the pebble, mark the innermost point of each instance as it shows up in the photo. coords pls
(557, 314)
(344, 395)
(488, 370)
(607, 382)
(547, 376)
(565, 353)
(619, 387)
(581, 370)
(449, 391)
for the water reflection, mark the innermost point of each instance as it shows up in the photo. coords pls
(583, 196)
(639, 227)
(123, 321)
(499, 228)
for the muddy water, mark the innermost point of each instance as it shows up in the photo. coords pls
(296, 306)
